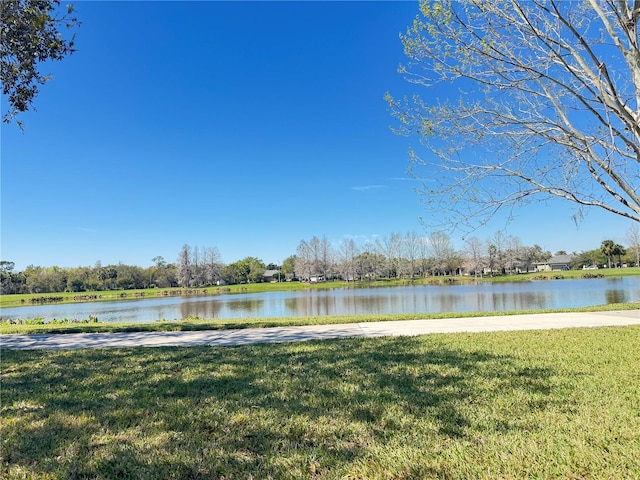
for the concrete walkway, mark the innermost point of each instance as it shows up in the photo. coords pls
(248, 336)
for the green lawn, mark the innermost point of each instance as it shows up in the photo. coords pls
(538, 404)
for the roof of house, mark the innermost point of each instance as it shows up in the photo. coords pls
(560, 259)
(271, 273)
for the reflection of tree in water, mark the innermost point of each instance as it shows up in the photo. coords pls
(521, 300)
(616, 296)
(330, 304)
(205, 309)
(430, 299)
(252, 305)
(311, 305)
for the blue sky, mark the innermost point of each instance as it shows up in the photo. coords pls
(246, 126)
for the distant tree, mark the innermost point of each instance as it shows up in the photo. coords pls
(499, 241)
(454, 263)
(247, 270)
(197, 270)
(534, 254)
(130, 277)
(185, 268)
(633, 239)
(256, 269)
(289, 266)
(7, 277)
(514, 253)
(45, 279)
(304, 261)
(370, 265)
(474, 248)
(442, 251)
(492, 252)
(390, 247)
(162, 274)
(589, 258)
(31, 34)
(6, 267)
(619, 251)
(235, 273)
(411, 251)
(326, 258)
(549, 104)
(347, 254)
(107, 276)
(159, 261)
(78, 279)
(608, 248)
(212, 265)
(423, 255)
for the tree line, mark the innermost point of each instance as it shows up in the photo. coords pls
(317, 259)
(412, 255)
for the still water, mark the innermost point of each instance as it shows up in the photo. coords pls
(352, 301)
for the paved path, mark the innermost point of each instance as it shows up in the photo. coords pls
(247, 336)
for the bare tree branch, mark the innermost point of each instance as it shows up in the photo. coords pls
(548, 107)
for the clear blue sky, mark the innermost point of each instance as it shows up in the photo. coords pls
(245, 126)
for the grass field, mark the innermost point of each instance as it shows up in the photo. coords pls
(538, 404)
(18, 300)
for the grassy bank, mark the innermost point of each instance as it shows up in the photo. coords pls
(18, 300)
(190, 324)
(545, 404)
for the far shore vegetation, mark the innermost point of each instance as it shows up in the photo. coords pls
(25, 299)
(393, 260)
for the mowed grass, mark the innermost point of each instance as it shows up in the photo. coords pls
(537, 404)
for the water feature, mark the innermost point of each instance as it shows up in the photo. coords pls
(350, 301)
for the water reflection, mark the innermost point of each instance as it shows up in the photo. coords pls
(410, 299)
(616, 296)
(205, 309)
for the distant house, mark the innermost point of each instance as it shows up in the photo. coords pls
(555, 264)
(271, 276)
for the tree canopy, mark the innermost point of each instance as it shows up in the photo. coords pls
(31, 34)
(547, 104)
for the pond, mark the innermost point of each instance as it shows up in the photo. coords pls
(352, 301)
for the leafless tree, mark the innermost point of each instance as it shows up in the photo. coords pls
(633, 240)
(533, 255)
(212, 265)
(423, 253)
(304, 261)
(185, 267)
(514, 253)
(549, 104)
(326, 258)
(474, 249)
(441, 249)
(411, 251)
(389, 246)
(497, 247)
(197, 270)
(348, 252)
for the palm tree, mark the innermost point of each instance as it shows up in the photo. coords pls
(619, 251)
(608, 248)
